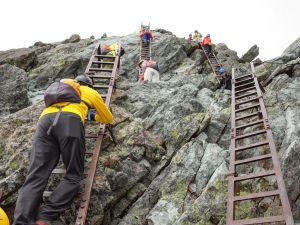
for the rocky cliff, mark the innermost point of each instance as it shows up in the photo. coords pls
(170, 164)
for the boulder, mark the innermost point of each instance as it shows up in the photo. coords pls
(72, 39)
(251, 54)
(292, 52)
(13, 90)
(24, 58)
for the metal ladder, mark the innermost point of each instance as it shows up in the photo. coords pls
(248, 110)
(213, 61)
(145, 50)
(104, 82)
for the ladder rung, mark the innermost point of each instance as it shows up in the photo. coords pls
(259, 220)
(100, 76)
(63, 171)
(251, 134)
(240, 77)
(245, 95)
(247, 116)
(256, 195)
(58, 171)
(98, 86)
(102, 62)
(249, 124)
(251, 146)
(105, 56)
(100, 69)
(244, 90)
(246, 108)
(244, 85)
(253, 159)
(242, 81)
(254, 175)
(247, 101)
(91, 136)
(47, 193)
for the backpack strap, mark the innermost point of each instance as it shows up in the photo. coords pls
(55, 120)
(59, 113)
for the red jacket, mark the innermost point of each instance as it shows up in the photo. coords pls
(149, 33)
(206, 41)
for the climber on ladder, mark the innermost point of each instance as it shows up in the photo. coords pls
(206, 43)
(3, 217)
(146, 35)
(60, 131)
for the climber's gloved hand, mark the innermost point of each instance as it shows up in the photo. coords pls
(91, 115)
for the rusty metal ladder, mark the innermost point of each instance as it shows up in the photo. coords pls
(213, 61)
(145, 50)
(98, 71)
(249, 112)
(99, 74)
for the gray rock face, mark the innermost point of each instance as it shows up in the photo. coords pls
(65, 60)
(229, 59)
(23, 58)
(287, 63)
(74, 38)
(292, 52)
(170, 162)
(283, 109)
(168, 50)
(251, 54)
(13, 92)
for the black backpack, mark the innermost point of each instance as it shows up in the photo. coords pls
(61, 92)
(154, 66)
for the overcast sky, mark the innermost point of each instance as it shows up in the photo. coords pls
(271, 24)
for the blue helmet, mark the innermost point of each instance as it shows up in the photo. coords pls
(221, 70)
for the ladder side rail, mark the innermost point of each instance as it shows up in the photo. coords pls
(91, 59)
(276, 164)
(85, 197)
(230, 202)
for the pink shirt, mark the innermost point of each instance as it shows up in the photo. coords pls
(144, 65)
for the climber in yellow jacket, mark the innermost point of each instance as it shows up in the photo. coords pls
(59, 132)
(3, 217)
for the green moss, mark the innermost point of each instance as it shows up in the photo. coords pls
(199, 117)
(181, 189)
(175, 133)
(205, 217)
(130, 141)
(243, 210)
(13, 165)
(178, 196)
(1, 152)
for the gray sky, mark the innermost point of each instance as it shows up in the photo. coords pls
(271, 24)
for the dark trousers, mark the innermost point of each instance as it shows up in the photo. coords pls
(207, 48)
(66, 139)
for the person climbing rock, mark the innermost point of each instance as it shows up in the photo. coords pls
(146, 35)
(207, 45)
(225, 79)
(60, 132)
(197, 37)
